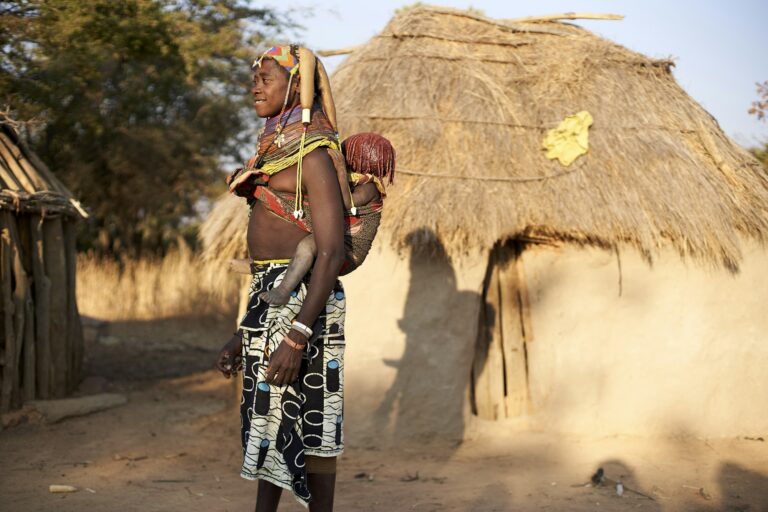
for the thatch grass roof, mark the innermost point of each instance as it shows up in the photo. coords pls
(223, 232)
(466, 101)
(26, 183)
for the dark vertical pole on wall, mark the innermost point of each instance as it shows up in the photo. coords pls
(488, 367)
(30, 384)
(525, 318)
(56, 269)
(42, 288)
(74, 326)
(515, 356)
(500, 369)
(29, 352)
(9, 349)
(480, 392)
(20, 297)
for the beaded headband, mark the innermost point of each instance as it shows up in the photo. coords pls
(283, 56)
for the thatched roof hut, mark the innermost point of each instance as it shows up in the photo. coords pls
(517, 312)
(42, 342)
(467, 100)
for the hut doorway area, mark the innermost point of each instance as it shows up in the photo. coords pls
(499, 386)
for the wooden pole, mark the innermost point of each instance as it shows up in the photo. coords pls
(31, 175)
(9, 352)
(29, 384)
(56, 270)
(74, 327)
(7, 154)
(339, 51)
(488, 366)
(512, 330)
(566, 16)
(42, 287)
(21, 293)
(40, 172)
(525, 303)
(9, 181)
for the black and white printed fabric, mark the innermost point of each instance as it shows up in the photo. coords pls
(281, 425)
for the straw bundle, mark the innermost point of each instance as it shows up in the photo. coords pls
(466, 101)
(223, 232)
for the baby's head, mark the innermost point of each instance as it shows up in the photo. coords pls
(369, 153)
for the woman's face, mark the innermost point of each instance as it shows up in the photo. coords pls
(269, 84)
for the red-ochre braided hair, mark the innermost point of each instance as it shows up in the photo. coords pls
(369, 153)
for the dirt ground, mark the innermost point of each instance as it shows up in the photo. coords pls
(174, 447)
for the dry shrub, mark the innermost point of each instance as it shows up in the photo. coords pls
(223, 232)
(178, 285)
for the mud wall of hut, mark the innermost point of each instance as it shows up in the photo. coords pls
(665, 349)
(412, 322)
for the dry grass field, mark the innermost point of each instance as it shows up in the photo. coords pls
(178, 285)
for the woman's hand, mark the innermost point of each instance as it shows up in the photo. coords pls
(285, 361)
(230, 357)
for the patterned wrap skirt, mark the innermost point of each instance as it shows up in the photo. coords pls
(281, 425)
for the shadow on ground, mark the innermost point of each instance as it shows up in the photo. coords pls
(140, 350)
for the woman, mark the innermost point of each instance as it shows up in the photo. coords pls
(292, 355)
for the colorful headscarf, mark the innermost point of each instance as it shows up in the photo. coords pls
(283, 56)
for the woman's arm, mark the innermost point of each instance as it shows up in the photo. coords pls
(322, 189)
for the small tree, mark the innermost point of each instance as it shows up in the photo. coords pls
(759, 109)
(135, 103)
(760, 106)
(761, 154)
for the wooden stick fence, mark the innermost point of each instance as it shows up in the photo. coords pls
(42, 341)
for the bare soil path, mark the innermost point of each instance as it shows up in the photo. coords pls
(174, 447)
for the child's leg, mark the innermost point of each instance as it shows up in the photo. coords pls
(300, 264)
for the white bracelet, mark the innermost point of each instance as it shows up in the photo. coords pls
(303, 329)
